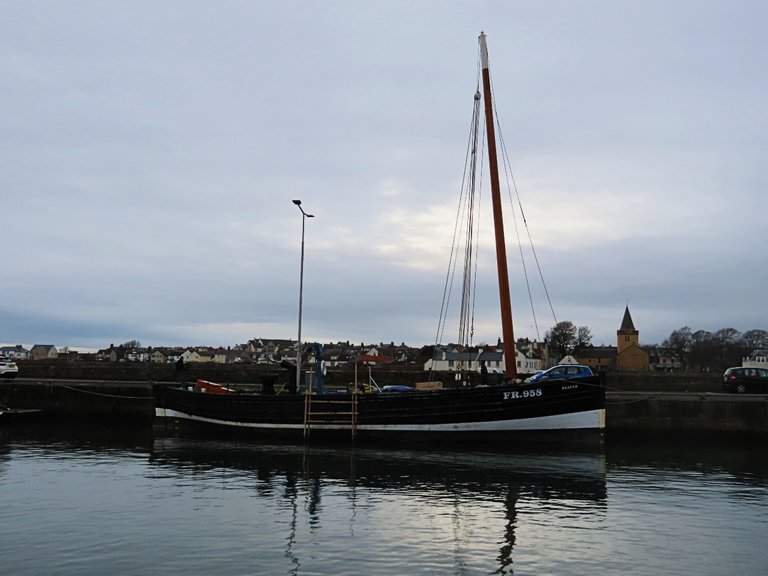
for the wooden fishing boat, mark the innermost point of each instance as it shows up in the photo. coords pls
(544, 409)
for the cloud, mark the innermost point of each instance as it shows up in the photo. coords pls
(150, 155)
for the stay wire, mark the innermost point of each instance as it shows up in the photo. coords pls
(512, 185)
(453, 258)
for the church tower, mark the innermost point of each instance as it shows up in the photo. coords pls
(627, 335)
(629, 355)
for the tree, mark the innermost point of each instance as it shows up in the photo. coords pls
(583, 337)
(702, 349)
(714, 351)
(564, 338)
(755, 340)
(560, 338)
(726, 341)
(679, 343)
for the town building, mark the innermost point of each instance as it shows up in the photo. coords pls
(757, 359)
(43, 352)
(629, 354)
(626, 355)
(472, 360)
(17, 352)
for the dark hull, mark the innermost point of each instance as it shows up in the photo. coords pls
(555, 406)
(8, 415)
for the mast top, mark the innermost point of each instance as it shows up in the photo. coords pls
(483, 51)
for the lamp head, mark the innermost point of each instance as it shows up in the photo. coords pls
(297, 202)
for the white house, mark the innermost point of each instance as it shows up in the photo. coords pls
(757, 359)
(472, 362)
(17, 352)
(193, 355)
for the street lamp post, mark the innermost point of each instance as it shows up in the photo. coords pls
(304, 217)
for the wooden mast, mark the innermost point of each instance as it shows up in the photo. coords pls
(510, 357)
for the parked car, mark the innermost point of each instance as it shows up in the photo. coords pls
(562, 372)
(8, 368)
(741, 380)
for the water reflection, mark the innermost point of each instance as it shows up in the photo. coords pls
(457, 480)
(743, 460)
(377, 509)
(98, 435)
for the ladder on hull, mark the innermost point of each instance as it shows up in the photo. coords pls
(340, 413)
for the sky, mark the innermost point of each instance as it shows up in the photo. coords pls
(150, 153)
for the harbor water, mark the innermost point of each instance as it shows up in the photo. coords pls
(100, 500)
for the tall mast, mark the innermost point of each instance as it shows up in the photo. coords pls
(510, 357)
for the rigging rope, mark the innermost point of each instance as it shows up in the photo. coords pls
(469, 167)
(509, 176)
(467, 228)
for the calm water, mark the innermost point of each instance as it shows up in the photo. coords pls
(91, 502)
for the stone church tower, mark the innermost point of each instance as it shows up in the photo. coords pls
(627, 335)
(629, 355)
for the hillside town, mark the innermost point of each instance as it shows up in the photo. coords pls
(532, 356)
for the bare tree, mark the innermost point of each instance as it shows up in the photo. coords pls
(680, 343)
(727, 345)
(583, 337)
(718, 350)
(755, 340)
(702, 349)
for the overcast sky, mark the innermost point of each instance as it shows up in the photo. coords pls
(150, 152)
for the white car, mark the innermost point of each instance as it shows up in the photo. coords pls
(8, 368)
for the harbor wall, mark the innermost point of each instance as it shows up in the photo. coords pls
(683, 413)
(242, 373)
(627, 412)
(91, 399)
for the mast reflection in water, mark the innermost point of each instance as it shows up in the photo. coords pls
(435, 504)
(80, 502)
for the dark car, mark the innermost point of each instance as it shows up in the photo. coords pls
(741, 380)
(562, 372)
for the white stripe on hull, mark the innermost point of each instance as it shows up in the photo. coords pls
(591, 419)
